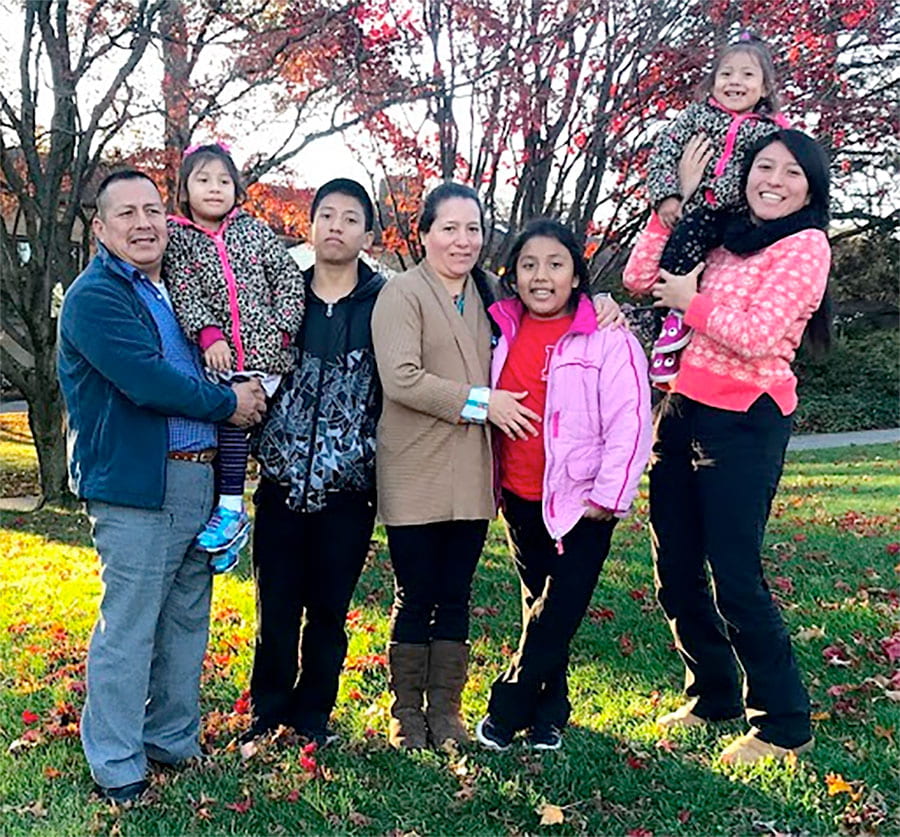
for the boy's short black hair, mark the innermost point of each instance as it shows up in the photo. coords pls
(350, 188)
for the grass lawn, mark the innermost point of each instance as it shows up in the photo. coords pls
(832, 554)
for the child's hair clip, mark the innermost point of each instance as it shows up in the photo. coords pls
(223, 146)
(746, 35)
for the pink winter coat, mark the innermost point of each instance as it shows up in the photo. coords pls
(596, 417)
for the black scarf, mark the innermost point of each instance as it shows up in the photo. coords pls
(742, 236)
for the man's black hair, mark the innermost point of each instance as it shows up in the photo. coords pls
(115, 177)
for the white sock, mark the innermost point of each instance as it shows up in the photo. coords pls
(232, 502)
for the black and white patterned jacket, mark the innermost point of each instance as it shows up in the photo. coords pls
(319, 434)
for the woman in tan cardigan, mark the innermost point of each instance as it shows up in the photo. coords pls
(432, 342)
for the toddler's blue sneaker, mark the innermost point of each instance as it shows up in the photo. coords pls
(223, 529)
(227, 559)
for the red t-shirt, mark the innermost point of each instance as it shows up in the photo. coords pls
(525, 370)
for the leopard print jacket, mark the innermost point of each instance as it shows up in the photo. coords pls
(716, 122)
(241, 280)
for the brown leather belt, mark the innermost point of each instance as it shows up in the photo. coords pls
(204, 456)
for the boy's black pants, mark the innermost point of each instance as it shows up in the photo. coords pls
(713, 476)
(306, 566)
(556, 592)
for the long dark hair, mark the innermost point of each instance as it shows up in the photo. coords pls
(432, 202)
(811, 157)
(549, 228)
(194, 159)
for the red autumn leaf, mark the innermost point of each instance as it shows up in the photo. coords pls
(891, 646)
(684, 815)
(799, 537)
(666, 744)
(638, 594)
(29, 717)
(355, 694)
(368, 732)
(242, 705)
(309, 749)
(293, 796)
(640, 832)
(52, 772)
(241, 807)
(485, 611)
(601, 614)
(835, 656)
(626, 646)
(784, 584)
(636, 763)
(309, 764)
(892, 548)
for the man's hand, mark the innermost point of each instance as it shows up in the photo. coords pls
(218, 356)
(669, 212)
(251, 404)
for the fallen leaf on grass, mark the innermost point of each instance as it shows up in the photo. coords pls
(784, 584)
(359, 820)
(551, 814)
(890, 645)
(885, 732)
(640, 832)
(837, 784)
(626, 646)
(684, 815)
(241, 807)
(52, 772)
(810, 633)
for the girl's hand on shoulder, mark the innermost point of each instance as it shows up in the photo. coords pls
(513, 418)
(608, 312)
(218, 356)
(592, 512)
(669, 212)
(673, 291)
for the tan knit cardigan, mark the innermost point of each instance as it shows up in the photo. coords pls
(429, 466)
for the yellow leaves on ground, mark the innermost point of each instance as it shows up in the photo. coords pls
(551, 814)
(838, 784)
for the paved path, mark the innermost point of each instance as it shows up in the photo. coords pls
(813, 441)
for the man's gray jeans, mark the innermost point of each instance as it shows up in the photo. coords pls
(146, 651)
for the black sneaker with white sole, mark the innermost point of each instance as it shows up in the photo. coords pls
(491, 736)
(544, 738)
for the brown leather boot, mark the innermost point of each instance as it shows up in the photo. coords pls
(448, 666)
(408, 669)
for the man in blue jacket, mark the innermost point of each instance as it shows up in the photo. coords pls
(141, 428)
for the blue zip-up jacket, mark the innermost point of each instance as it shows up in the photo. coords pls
(119, 390)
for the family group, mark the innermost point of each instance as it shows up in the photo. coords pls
(431, 400)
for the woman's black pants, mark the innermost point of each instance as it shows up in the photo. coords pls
(556, 592)
(713, 476)
(433, 568)
(306, 566)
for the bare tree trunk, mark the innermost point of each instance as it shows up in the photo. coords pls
(45, 418)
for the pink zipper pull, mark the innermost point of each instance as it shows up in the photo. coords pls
(559, 546)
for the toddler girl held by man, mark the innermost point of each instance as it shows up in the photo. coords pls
(238, 293)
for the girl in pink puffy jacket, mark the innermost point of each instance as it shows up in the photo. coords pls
(563, 488)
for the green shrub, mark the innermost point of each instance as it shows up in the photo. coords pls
(855, 387)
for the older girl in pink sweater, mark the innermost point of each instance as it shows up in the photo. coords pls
(721, 436)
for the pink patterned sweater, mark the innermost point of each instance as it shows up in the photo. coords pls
(748, 317)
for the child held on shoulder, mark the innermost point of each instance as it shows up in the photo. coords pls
(563, 489)
(739, 106)
(238, 293)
